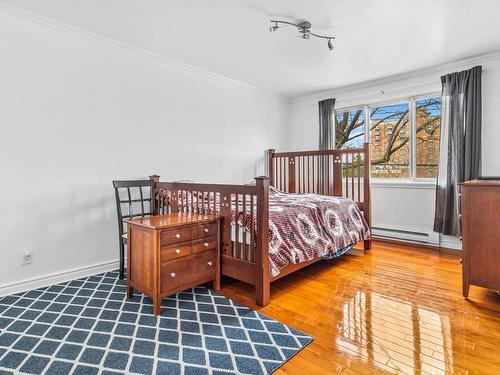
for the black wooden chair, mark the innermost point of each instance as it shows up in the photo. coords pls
(134, 198)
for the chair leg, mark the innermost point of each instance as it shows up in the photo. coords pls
(122, 259)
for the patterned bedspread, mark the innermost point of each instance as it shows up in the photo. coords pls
(306, 226)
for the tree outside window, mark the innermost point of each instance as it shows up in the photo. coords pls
(390, 133)
(428, 122)
(390, 149)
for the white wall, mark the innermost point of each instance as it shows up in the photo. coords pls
(76, 114)
(410, 206)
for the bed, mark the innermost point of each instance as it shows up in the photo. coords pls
(313, 204)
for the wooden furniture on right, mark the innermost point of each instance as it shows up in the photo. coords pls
(344, 172)
(480, 217)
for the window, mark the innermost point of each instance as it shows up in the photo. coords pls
(350, 128)
(390, 149)
(427, 125)
(404, 136)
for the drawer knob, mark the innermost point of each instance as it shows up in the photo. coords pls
(177, 251)
(210, 263)
(205, 244)
(172, 274)
(177, 235)
(205, 230)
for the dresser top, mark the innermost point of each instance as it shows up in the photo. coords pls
(482, 183)
(172, 220)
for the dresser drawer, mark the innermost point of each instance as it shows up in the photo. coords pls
(205, 230)
(204, 244)
(183, 271)
(168, 237)
(179, 251)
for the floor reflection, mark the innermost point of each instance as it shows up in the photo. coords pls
(399, 336)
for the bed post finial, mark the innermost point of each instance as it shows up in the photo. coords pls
(270, 172)
(154, 194)
(367, 210)
(262, 277)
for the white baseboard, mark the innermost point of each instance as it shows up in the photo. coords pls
(416, 235)
(450, 242)
(56, 278)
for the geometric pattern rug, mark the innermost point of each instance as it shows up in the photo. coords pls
(88, 327)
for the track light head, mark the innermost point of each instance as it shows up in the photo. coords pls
(274, 28)
(330, 45)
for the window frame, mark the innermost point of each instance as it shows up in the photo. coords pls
(412, 180)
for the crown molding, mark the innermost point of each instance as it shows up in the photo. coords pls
(377, 84)
(9, 10)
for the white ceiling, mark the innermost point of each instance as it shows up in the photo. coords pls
(375, 38)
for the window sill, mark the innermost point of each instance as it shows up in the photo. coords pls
(405, 184)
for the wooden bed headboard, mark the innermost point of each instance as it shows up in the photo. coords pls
(343, 173)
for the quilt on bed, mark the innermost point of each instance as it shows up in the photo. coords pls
(307, 226)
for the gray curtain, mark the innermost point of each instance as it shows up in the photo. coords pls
(326, 142)
(326, 124)
(460, 144)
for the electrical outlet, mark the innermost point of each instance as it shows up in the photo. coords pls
(27, 257)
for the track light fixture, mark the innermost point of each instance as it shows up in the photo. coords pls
(304, 29)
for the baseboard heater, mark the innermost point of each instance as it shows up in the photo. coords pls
(430, 238)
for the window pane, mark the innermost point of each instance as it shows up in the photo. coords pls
(350, 129)
(390, 146)
(428, 121)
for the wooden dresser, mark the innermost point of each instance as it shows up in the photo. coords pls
(480, 217)
(170, 253)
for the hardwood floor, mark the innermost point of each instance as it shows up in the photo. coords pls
(397, 309)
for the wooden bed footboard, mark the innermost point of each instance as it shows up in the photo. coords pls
(244, 253)
(344, 172)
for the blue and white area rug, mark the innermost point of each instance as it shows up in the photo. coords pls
(88, 327)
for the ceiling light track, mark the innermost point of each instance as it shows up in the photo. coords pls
(304, 29)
